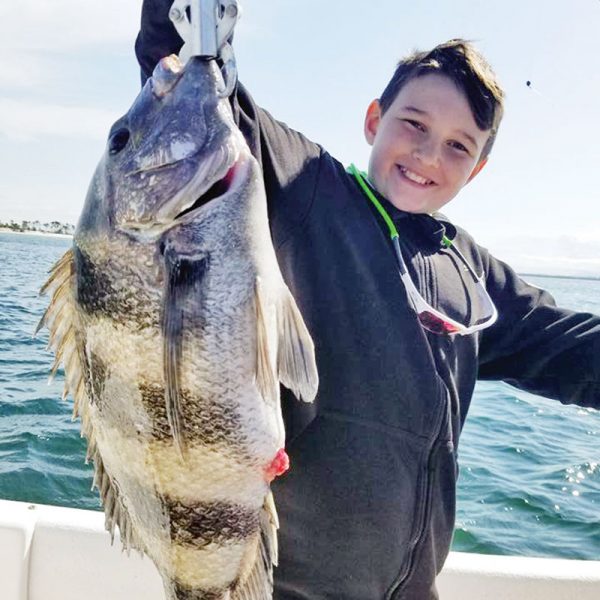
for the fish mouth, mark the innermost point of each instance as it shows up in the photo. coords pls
(216, 177)
(213, 179)
(217, 189)
(221, 186)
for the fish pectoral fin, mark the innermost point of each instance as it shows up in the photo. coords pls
(296, 364)
(266, 380)
(183, 278)
(258, 585)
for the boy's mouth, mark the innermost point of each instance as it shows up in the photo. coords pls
(415, 177)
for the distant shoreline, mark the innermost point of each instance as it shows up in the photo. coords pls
(69, 236)
(33, 232)
(586, 277)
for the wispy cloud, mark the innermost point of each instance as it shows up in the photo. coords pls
(66, 24)
(25, 72)
(25, 121)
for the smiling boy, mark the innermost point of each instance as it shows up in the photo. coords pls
(367, 509)
(439, 114)
(426, 144)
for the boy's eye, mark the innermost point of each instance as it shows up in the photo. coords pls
(415, 124)
(459, 146)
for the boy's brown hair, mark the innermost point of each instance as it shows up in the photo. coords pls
(470, 72)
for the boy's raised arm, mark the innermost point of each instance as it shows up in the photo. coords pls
(157, 37)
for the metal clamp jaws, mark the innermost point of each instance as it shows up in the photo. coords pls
(205, 26)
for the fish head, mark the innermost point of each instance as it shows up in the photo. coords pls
(177, 144)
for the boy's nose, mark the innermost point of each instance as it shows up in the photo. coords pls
(427, 153)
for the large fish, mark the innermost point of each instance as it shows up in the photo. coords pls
(175, 328)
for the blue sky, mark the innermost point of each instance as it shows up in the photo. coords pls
(69, 71)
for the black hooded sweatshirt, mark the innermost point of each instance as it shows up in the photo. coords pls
(367, 509)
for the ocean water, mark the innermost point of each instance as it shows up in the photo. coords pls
(530, 467)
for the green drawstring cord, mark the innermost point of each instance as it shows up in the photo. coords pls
(360, 178)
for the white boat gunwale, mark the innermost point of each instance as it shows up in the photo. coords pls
(58, 553)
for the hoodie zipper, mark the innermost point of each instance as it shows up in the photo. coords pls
(425, 508)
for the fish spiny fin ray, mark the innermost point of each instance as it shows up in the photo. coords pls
(60, 318)
(183, 284)
(266, 380)
(60, 296)
(258, 585)
(61, 270)
(296, 363)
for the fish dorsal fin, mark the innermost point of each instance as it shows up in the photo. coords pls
(59, 318)
(183, 285)
(266, 379)
(65, 339)
(258, 585)
(296, 364)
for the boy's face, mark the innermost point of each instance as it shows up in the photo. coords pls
(426, 146)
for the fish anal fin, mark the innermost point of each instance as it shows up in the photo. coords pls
(296, 363)
(115, 513)
(257, 584)
(266, 380)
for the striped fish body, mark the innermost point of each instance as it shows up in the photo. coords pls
(175, 328)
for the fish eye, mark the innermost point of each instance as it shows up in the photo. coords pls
(117, 141)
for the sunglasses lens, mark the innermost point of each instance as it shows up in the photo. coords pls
(436, 325)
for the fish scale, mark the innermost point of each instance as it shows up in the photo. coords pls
(175, 328)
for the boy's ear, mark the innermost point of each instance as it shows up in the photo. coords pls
(372, 119)
(477, 168)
